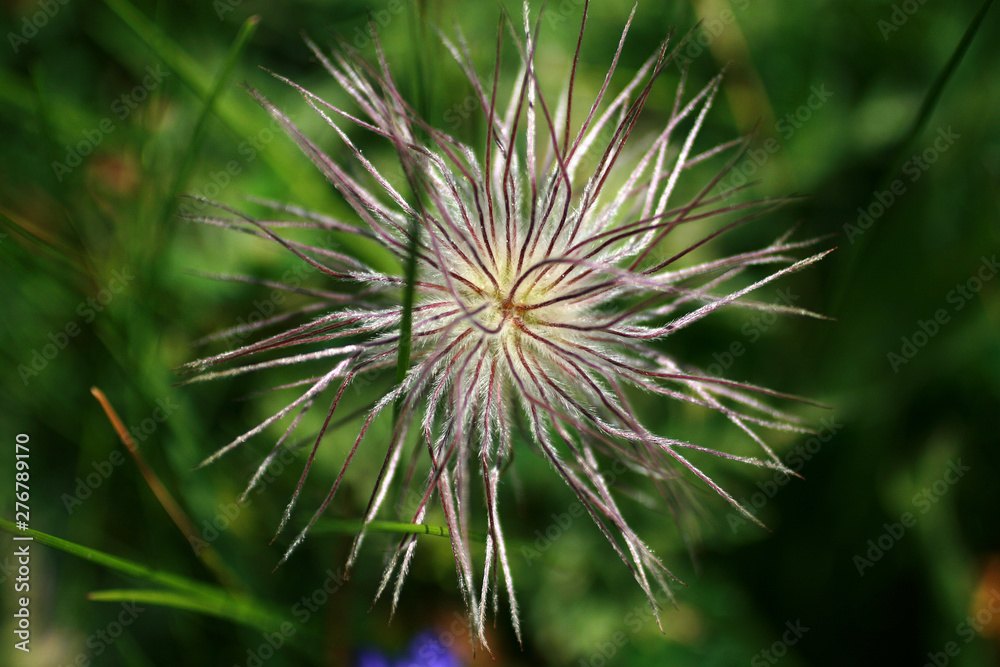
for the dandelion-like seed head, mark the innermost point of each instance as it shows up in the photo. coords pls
(542, 295)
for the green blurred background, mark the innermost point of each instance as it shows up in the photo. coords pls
(102, 111)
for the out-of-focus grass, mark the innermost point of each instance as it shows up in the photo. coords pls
(99, 290)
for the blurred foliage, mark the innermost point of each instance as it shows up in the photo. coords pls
(104, 119)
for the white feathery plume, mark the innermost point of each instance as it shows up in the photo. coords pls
(538, 297)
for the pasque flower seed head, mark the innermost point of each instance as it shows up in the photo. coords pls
(542, 295)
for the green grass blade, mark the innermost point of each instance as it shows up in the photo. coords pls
(122, 565)
(414, 179)
(185, 594)
(355, 525)
(409, 289)
(897, 152)
(211, 597)
(406, 322)
(193, 75)
(15, 93)
(247, 30)
(304, 186)
(934, 92)
(231, 610)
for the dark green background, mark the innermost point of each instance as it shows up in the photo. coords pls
(64, 235)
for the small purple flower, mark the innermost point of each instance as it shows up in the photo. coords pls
(424, 651)
(370, 657)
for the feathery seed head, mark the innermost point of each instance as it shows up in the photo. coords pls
(539, 296)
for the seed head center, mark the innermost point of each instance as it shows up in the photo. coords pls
(511, 304)
(511, 310)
